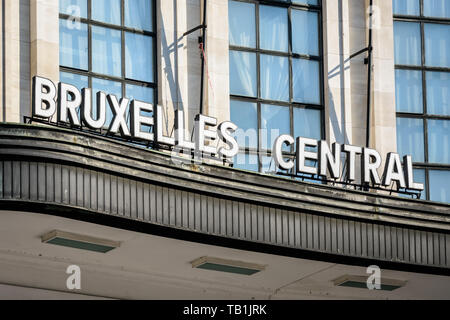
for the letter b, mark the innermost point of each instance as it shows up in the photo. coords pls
(41, 97)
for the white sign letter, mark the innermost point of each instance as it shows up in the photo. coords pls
(41, 97)
(119, 110)
(202, 134)
(393, 170)
(369, 169)
(159, 128)
(409, 175)
(225, 136)
(329, 160)
(278, 152)
(68, 107)
(302, 155)
(351, 151)
(137, 119)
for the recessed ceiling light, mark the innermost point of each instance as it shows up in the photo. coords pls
(79, 241)
(361, 282)
(230, 266)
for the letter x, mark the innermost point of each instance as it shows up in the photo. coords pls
(119, 110)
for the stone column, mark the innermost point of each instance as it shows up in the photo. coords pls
(16, 61)
(337, 74)
(216, 82)
(383, 112)
(178, 60)
(44, 36)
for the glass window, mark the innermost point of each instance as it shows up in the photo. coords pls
(76, 80)
(305, 32)
(436, 8)
(141, 93)
(274, 84)
(139, 14)
(273, 28)
(311, 2)
(306, 81)
(423, 87)
(74, 8)
(245, 116)
(439, 141)
(410, 138)
(268, 165)
(242, 25)
(406, 7)
(438, 93)
(407, 43)
(439, 181)
(106, 51)
(408, 91)
(274, 78)
(139, 57)
(275, 121)
(246, 162)
(243, 73)
(437, 45)
(73, 45)
(131, 75)
(144, 94)
(307, 123)
(419, 177)
(106, 11)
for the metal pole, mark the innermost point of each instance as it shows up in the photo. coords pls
(369, 76)
(203, 44)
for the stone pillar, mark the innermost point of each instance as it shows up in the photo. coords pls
(346, 30)
(383, 112)
(345, 82)
(44, 36)
(337, 75)
(216, 82)
(16, 47)
(178, 60)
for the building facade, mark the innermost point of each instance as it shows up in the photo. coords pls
(140, 221)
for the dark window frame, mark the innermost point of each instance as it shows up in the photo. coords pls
(291, 104)
(123, 29)
(425, 116)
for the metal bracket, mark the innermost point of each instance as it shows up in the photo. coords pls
(202, 26)
(368, 49)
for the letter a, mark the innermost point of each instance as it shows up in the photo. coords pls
(74, 280)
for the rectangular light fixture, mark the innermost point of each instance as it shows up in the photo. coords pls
(78, 241)
(361, 282)
(230, 266)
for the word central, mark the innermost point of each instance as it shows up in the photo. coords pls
(330, 160)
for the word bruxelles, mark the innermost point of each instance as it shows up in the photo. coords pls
(66, 100)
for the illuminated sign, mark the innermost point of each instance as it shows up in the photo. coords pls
(75, 107)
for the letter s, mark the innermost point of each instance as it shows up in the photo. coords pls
(226, 137)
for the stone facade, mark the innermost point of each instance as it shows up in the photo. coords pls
(32, 38)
